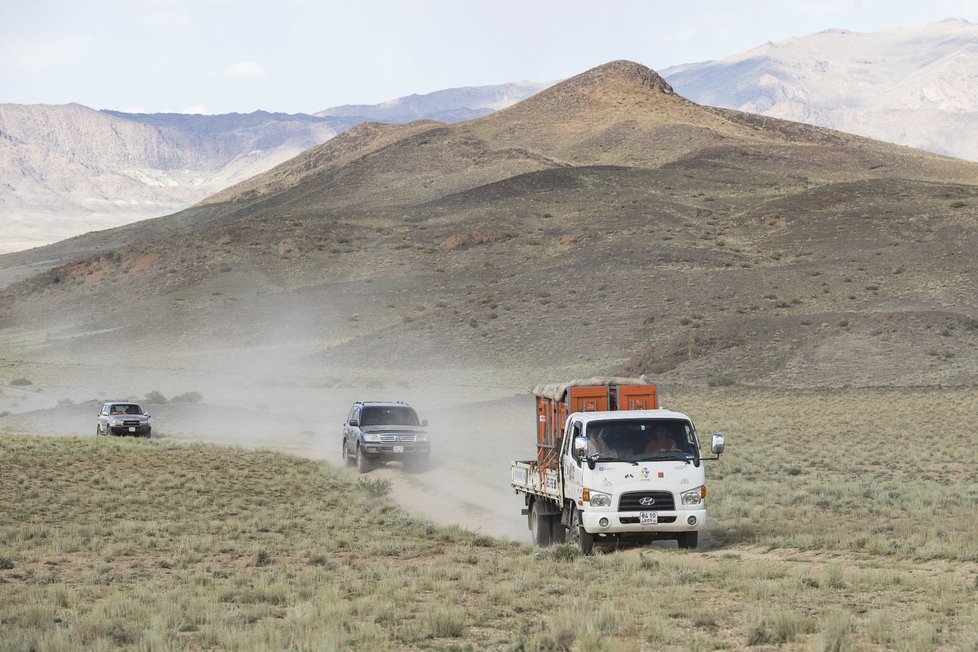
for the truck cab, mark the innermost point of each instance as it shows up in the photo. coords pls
(637, 473)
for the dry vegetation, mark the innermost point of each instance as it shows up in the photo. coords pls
(833, 529)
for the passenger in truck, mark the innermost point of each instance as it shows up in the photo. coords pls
(660, 441)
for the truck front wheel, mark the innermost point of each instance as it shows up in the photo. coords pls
(688, 539)
(540, 526)
(578, 535)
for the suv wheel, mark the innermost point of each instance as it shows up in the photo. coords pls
(349, 461)
(363, 464)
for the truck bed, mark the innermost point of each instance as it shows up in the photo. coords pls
(530, 477)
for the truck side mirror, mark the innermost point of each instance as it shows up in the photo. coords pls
(716, 447)
(580, 447)
(355, 423)
(424, 423)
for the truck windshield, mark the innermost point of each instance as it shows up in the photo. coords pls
(634, 440)
(394, 415)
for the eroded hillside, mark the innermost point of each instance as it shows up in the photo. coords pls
(604, 224)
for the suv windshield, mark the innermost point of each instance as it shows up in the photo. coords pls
(126, 408)
(635, 440)
(392, 415)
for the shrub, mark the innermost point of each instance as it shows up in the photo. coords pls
(375, 487)
(20, 382)
(721, 381)
(155, 398)
(187, 397)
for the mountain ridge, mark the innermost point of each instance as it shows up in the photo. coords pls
(611, 226)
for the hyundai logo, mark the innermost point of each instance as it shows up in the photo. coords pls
(648, 500)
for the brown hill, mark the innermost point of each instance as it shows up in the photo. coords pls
(604, 224)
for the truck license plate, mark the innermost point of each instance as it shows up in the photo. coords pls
(648, 518)
(398, 449)
(132, 428)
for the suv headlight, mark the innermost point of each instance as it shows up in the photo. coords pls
(421, 436)
(599, 499)
(371, 436)
(693, 496)
(115, 422)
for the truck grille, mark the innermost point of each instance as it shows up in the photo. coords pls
(396, 437)
(129, 422)
(654, 501)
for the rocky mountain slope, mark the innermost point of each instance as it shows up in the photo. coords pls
(911, 85)
(606, 224)
(71, 169)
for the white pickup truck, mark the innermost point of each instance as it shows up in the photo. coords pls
(605, 472)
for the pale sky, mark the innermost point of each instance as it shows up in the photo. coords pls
(302, 56)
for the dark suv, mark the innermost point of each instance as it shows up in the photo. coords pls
(376, 432)
(122, 418)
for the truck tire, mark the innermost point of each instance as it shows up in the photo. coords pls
(363, 464)
(558, 533)
(540, 526)
(688, 539)
(347, 460)
(578, 535)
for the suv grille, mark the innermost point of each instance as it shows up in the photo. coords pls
(394, 437)
(129, 422)
(655, 501)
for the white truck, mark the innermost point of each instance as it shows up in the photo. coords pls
(612, 465)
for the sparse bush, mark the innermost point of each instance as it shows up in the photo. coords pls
(6, 563)
(375, 487)
(155, 398)
(187, 397)
(20, 382)
(721, 381)
(776, 629)
(958, 204)
(562, 552)
(446, 622)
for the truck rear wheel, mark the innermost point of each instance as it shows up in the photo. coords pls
(578, 535)
(540, 526)
(688, 539)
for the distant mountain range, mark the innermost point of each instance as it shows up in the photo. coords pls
(69, 169)
(914, 86)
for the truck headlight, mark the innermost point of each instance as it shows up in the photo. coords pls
(693, 496)
(421, 436)
(371, 436)
(599, 499)
(115, 422)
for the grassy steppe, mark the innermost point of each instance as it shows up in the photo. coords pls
(841, 520)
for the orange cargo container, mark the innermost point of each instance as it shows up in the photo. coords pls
(556, 401)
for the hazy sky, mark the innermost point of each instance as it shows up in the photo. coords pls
(220, 56)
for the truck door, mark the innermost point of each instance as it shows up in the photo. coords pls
(571, 465)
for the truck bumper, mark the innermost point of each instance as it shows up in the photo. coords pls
(596, 522)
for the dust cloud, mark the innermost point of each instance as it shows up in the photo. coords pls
(280, 388)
